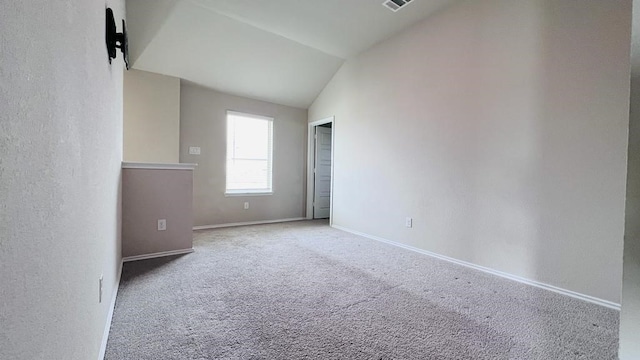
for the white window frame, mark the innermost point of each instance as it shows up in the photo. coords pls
(250, 192)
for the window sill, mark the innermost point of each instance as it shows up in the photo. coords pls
(248, 193)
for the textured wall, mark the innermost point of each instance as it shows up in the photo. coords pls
(501, 128)
(60, 154)
(151, 117)
(630, 315)
(203, 124)
(152, 194)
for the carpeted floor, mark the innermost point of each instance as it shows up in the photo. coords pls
(303, 290)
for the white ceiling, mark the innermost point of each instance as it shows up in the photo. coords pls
(282, 51)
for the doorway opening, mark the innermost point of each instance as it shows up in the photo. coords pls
(320, 169)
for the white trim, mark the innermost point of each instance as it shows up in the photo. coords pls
(248, 193)
(206, 227)
(230, 150)
(322, 121)
(158, 166)
(573, 294)
(112, 306)
(249, 115)
(157, 255)
(311, 161)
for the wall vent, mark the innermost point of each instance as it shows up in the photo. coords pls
(395, 5)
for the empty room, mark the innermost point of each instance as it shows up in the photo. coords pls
(305, 179)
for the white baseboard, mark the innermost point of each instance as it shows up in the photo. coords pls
(112, 306)
(206, 227)
(573, 294)
(157, 255)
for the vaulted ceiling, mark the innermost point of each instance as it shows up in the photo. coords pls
(282, 51)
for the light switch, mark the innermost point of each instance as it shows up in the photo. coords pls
(194, 150)
(408, 222)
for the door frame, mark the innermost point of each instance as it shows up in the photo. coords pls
(311, 152)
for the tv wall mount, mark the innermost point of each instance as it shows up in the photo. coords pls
(116, 40)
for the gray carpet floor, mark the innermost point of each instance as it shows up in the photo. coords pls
(303, 290)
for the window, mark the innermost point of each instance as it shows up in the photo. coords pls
(249, 153)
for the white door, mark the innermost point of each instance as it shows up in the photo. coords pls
(322, 185)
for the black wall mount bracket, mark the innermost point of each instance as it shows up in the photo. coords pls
(116, 40)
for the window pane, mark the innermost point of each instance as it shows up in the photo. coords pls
(249, 151)
(251, 138)
(247, 174)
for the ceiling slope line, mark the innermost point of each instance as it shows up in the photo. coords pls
(243, 21)
(137, 45)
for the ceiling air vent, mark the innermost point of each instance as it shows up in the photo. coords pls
(395, 5)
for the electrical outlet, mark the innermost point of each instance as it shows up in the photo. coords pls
(246, 205)
(408, 222)
(100, 291)
(162, 224)
(194, 150)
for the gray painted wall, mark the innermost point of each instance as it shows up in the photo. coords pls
(151, 117)
(149, 195)
(630, 315)
(203, 124)
(501, 128)
(60, 154)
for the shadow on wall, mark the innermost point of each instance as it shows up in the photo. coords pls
(140, 268)
(630, 314)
